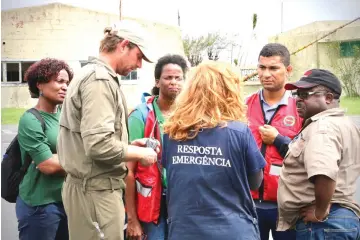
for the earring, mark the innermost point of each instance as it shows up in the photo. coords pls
(40, 93)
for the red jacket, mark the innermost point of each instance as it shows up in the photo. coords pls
(287, 121)
(148, 179)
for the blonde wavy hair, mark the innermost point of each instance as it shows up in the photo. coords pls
(210, 98)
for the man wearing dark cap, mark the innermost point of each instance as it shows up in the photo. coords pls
(93, 145)
(318, 178)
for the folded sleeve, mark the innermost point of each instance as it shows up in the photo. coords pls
(32, 139)
(282, 144)
(98, 113)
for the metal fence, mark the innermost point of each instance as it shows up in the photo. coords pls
(248, 71)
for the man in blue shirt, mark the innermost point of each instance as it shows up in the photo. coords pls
(274, 121)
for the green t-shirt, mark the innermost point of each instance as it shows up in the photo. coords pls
(37, 188)
(137, 126)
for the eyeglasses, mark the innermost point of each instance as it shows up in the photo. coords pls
(305, 95)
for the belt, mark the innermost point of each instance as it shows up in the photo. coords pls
(97, 184)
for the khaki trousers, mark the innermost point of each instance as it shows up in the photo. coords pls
(93, 214)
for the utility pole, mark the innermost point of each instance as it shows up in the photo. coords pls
(178, 17)
(247, 77)
(282, 16)
(120, 9)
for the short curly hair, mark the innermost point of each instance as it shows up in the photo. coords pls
(42, 71)
(168, 59)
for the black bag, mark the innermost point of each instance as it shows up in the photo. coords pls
(12, 170)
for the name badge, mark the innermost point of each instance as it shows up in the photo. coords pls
(275, 170)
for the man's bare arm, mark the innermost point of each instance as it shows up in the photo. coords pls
(324, 191)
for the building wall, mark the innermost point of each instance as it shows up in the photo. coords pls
(318, 55)
(17, 96)
(53, 30)
(72, 34)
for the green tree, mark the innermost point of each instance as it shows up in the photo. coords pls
(211, 44)
(346, 67)
(243, 53)
(216, 44)
(236, 62)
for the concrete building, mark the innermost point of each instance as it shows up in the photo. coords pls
(72, 34)
(335, 49)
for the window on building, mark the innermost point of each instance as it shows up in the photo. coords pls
(131, 76)
(14, 72)
(348, 49)
(24, 67)
(2, 73)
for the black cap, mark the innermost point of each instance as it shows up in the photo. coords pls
(316, 77)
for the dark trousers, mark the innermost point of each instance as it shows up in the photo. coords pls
(157, 231)
(45, 222)
(267, 223)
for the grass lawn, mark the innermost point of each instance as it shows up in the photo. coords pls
(11, 115)
(351, 104)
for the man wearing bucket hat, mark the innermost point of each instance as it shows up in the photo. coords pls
(318, 178)
(93, 140)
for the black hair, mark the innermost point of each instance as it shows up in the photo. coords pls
(168, 59)
(276, 49)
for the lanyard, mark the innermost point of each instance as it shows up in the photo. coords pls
(159, 165)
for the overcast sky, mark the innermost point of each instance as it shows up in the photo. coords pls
(199, 16)
(228, 16)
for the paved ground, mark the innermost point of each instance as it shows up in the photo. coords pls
(356, 120)
(8, 217)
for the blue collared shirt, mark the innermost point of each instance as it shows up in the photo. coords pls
(280, 141)
(270, 110)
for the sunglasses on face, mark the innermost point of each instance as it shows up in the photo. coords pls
(305, 95)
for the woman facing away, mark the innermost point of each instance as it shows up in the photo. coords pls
(145, 195)
(211, 159)
(39, 208)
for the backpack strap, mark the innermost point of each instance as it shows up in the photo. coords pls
(143, 108)
(37, 114)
